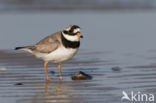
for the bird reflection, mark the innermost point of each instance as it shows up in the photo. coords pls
(58, 86)
(56, 92)
(46, 87)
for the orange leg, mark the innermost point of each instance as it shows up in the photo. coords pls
(46, 71)
(59, 68)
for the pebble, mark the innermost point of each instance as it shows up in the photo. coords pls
(19, 84)
(81, 76)
(116, 69)
(52, 72)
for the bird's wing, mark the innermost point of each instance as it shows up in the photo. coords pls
(48, 44)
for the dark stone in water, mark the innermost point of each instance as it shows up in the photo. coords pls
(116, 69)
(19, 84)
(81, 76)
(52, 72)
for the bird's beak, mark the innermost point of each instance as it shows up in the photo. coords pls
(79, 35)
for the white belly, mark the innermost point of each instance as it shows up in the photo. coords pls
(59, 55)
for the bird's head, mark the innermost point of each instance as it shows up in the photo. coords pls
(72, 33)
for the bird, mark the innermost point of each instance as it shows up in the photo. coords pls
(57, 47)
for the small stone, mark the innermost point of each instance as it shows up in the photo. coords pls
(116, 69)
(52, 72)
(19, 84)
(81, 76)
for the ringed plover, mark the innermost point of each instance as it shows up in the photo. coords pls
(56, 48)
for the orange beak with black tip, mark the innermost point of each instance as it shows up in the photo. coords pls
(79, 35)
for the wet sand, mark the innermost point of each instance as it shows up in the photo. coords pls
(22, 79)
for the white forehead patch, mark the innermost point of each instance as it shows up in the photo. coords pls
(76, 30)
(67, 28)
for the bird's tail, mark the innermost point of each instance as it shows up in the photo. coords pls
(26, 48)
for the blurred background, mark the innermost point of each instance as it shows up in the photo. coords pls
(117, 33)
(113, 22)
(44, 5)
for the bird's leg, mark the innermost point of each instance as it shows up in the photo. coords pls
(59, 68)
(46, 71)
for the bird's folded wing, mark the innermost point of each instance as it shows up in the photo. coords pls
(48, 44)
(46, 48)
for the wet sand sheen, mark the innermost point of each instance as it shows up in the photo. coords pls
(105, 85)
(24, 77)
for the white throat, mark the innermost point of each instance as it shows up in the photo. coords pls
(71, 37)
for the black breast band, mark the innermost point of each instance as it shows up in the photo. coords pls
(69, 44)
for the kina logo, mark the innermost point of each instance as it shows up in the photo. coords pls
(137, 97)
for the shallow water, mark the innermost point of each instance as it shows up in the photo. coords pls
(122, 39)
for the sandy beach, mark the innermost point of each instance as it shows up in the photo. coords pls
(119, 58)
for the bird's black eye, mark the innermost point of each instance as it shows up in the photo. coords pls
(70, 31)
(66, 32)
